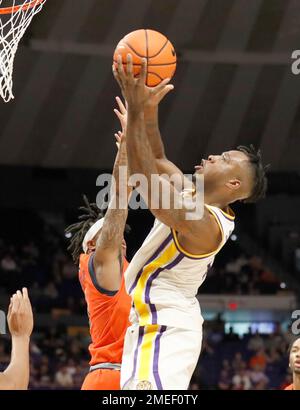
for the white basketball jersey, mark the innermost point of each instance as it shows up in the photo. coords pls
(163, 279)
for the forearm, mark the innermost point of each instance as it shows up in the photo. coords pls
(171, 207)
(141, 159)
(118, 177)
(115, 219)
(164, 166)
(16, 376)
(153, 132)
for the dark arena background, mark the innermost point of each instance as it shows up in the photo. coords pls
(235, 84)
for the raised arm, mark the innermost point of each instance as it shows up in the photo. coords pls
(151, 113)
(20, 322)
(164, 166)
(141, 160)
(108, 258)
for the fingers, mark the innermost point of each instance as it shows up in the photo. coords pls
(121, 105)
(26, 299)
(118, 136)
(129, 68)
(9, 308)
(163, 92)
(119, 73)
(25, 294)
(19, 299)
(119, 115)
(161, 85)
(120, 68)
(16, 302)
(116, 75)
(143, 73)
(123, 78)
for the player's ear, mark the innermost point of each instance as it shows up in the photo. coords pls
(233, 184)
(91, 245)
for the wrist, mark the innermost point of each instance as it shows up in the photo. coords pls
(21, 338)
(136, 112)
(150, 110)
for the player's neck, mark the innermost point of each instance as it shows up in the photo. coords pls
(296, 381)
(210, 198)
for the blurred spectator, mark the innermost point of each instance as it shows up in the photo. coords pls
(258, 378)
(224, 382)
(259, 359)
(8, 264)
(63, 378)
(256, 342)
(226, 366)
(273, 356)
(231, 336)
(241, 380)
(218, 324)
(238, 363)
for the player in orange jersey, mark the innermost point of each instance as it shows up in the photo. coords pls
(98, 245)
(295, 365)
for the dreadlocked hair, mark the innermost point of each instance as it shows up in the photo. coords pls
(260, 182)
(90, 215)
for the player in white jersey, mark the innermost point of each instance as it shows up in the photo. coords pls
(163, 343)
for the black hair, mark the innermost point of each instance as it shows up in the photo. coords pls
(91, 213)
(292, 343)
(260, 182)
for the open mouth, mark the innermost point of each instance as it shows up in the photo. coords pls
(200, 166)
(297, 363)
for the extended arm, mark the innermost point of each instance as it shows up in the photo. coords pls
(199, 236)
(164, 166)
(108, 254)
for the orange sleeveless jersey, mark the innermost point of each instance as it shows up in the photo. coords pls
(108, 314)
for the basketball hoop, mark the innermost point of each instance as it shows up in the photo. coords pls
(14, 21)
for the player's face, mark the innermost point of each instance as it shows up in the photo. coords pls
(228, 164)
(230, 169)
(295, 357)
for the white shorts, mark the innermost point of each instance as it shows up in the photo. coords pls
(159, 357)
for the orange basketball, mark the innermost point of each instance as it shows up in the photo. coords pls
(155, 47)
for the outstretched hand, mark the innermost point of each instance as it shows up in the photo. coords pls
(121, 113)
(20, 317)
(134, 90)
